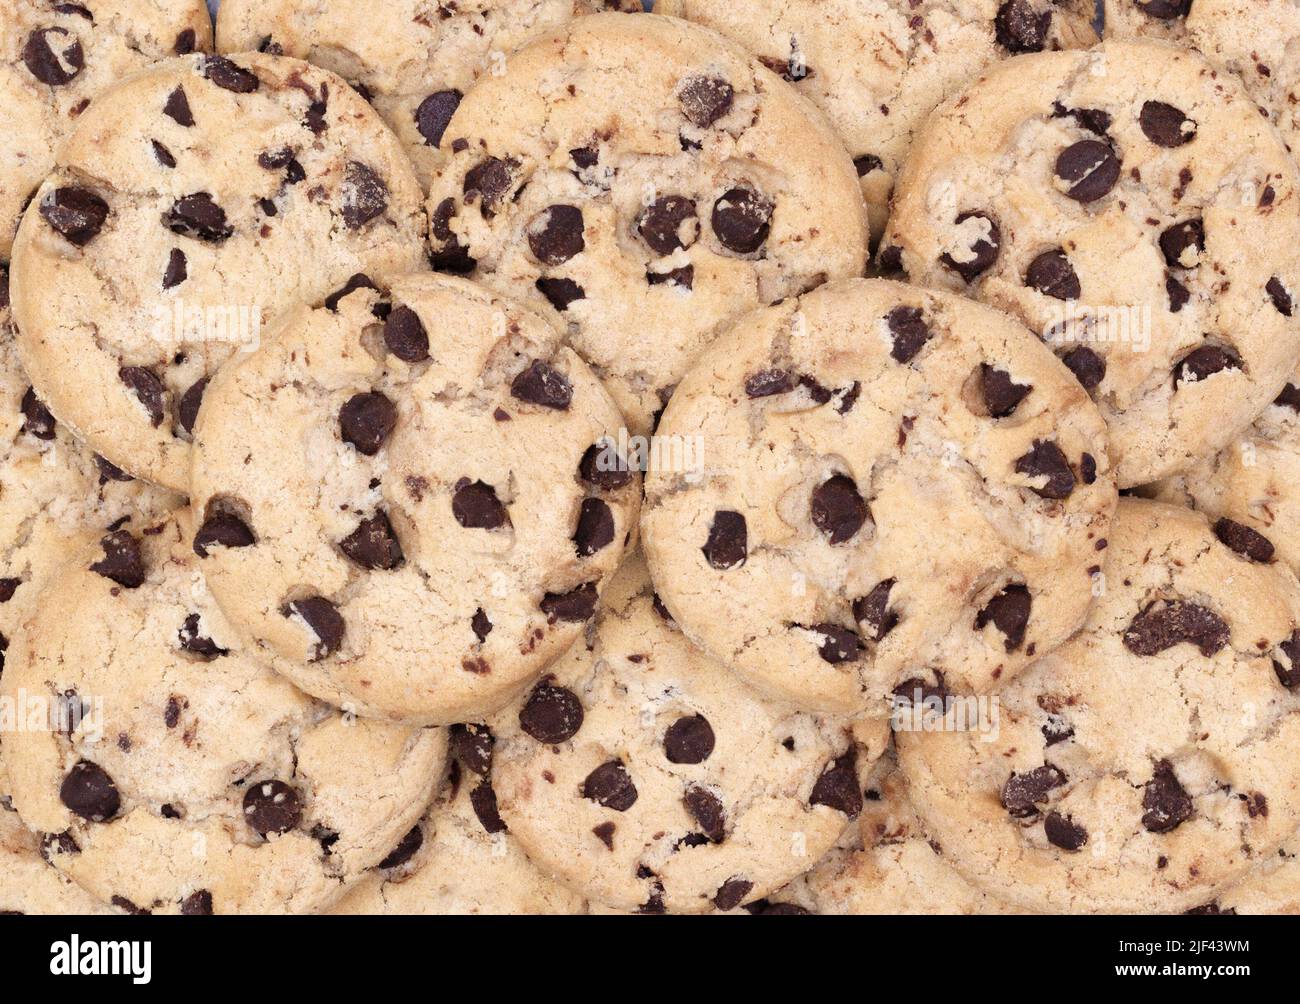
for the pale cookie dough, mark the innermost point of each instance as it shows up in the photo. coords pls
(28, 885)
(877, 68)
(170, 773)
(1149, 762)
(413, 60)
(1259, 40)
(900, 488)
(408, 504)
(648, 777)
(1273, 888)
(643, 182)
(197, 201)
(1132, 206)
(55, 57)
(461, 858)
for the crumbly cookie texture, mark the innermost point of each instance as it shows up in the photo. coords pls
(648, 777)
(1148, 763)
(899, 488)
(1117, 200)
(461, 858)
(1259, 40)
(1273, 888)
(195, 203)
(56, 57)
(29, 885)
(411, 501)
(877, 68)
(644, 182)
(173, 774)
(413, 60)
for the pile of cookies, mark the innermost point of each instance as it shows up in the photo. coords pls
(540, 456)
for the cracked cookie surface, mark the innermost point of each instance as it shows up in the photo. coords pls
(877, 68)
(1117, 201)
(413, 60)
(29, 884)
(899, 488)
(173, 773)
(411, 514)
(56, 57)
(648, 777)
(643, 182)
(1147, 763)
(195, 203)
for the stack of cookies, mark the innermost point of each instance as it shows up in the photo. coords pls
(539, 456)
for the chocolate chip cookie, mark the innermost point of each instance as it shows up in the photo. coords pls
(196, 202)
(1132, 206)
(1149, 762)
(411, 498)
(877, 68)
(411, 59)
(28, 885)
(646, 776)
(643, 182)
(55, 57)
(899, 488)
(173, 773)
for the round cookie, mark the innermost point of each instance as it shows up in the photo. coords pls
(643, 182)
(1149, 762)
(196, 201)
(1258, 40)
(898, 485)
(56, 57)
(173, 774)
(461, 858)
(413, 64)
(1116, 200)
(877, 68)
(411, 516)
(28, 885)
(647, 777)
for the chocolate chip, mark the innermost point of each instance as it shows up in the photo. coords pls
(373, 544)
(183, 46)
(37, 420)
(1177, 292)
(1087, 366)
(669, 224)
(228, 76)
(123, 561)
(315, 119)
(873, 610)
(1280, 295)
(484, 801)
(1056, 730)
(197, 904)
(1002, 395)
(605, 833)
(544, 385)
(575, 606)
(555, 234)
(476, 506)
(981, 255)
(742, 220)
(767, 383)
(1052, 275)
(1019, 28)
(1094, 120)
(272, 807)
(480, 624)
(689, 740)
(732, 893)
(1022, 792)
(838, 644)
(611, 786)
(1008, 611)
(325, 621)
(472, 745)
(1166, 802)
(177, 271)
(8, 586)
(54, 56)
(909, 331)
(177, 108)
(552, 714)
(706, 809)
(1245, 541)
(1047, 460)
(78, 214)
(867, 163)
(90, 793)
(1163, 625)
(595, 529)
(163, 155)
(728, 542)
(1183, 243)
(187, 410)
(488, 182)
(448, 255)
(282, 160)
(191, 639)
(434, 114)
(1165, 10)
(405, 849)
(704, 100)
(1204, 362)
(837, 787)
(1089, 167)
(358, 281)
(1064, 832)
(591, 468)
(837, 509)
(1166, 125)
(560, 292)
(405, 337)
(1289, 398)
(365, 195)
(366, 421)
(891, 261)
(1289, 676)
(198, 216)
(222, 529)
